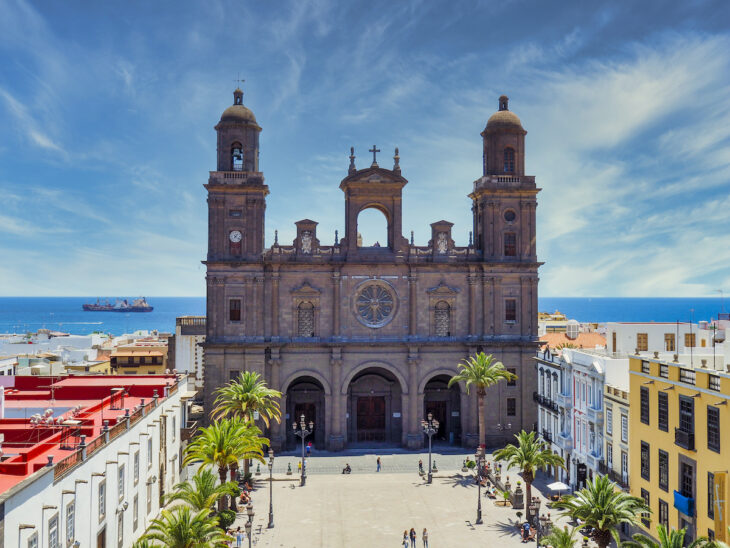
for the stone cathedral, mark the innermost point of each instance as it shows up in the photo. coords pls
(363, 340)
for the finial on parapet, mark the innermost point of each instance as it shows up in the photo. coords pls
(276, 237)
(411, 237)
(396, 161)
(470, 238)
(337, 238)
(352, 161)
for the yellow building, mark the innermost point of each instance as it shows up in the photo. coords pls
(680, 445)
(143, 357)
(102, 367)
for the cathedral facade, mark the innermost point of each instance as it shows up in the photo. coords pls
(363, 340)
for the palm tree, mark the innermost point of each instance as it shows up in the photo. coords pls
(601, 506)
(529, 455)
(482, 371)
(560, 538)
(183, 528)
(243, 396)
(223, 444)
(667, 539)
(204, 492)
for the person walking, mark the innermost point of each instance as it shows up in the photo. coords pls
(239, 537)
(424, 536)
(405, 538)
(413, 536)
(378, 465)
(309, 448)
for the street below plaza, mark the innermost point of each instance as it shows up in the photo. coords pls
(369, 508)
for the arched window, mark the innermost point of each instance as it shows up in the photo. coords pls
(510, 244)
(509, 160)
(305, 320)
(442, 319)
(237, 157)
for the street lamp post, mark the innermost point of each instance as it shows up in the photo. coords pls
(543, 528)
(478, 458)
(302, 432)
(271, 488)
(430, 427)
(249, 524)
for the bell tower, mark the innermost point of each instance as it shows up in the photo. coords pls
(236, 190)
(504, 198)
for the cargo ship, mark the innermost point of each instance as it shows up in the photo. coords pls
(137, 305)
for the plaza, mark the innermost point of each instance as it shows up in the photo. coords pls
(367, 508)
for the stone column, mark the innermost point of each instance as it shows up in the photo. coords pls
(497, 306)
(336, 440)
(415, 438)
(493, 219)
(524, 305)
(525, 234)
(275, 278)
(412, 298)
(336, 305)
(258, 296)
(533, 243)
(472, 281)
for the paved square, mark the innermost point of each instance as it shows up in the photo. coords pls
(373, 509)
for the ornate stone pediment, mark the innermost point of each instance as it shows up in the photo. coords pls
(306, 290)
(443, 290)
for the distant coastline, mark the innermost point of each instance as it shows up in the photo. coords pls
(22, 314)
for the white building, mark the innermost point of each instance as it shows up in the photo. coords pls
(102, 490)
(186, 354)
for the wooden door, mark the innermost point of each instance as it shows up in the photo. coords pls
(438, 410)
(101, 539)
(371, 418)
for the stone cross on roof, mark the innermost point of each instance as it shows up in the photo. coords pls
(374, 150)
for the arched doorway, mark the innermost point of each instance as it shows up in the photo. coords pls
(305, 396)
(374, 408)
(444, 403)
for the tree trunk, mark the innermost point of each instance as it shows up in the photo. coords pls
(528, 477)
(222, 470)
(233, 468)
(481, 397)
(602, 538)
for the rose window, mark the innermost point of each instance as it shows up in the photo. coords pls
(374, 305)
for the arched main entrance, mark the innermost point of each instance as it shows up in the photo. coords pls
(444, 403)
(374, 408)
(305, 396)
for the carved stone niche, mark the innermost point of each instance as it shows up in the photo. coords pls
(442, 309)
(305, 310)
(441, 243)
(306, 242)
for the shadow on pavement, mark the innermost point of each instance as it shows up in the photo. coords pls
(458, 481)
(506, 528)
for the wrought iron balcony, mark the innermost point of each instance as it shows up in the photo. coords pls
(684, 439)
(547, 436)
(615, 477)
(545, 402)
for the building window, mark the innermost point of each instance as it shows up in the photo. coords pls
(642, 344)
(645, 467)
(510, 310)
(609, 421)
(513, 381)
(510, 244)
(625, 466)
(687, 376)
(687, 480)
(713, 428)
(713, 382)
(442, 319)
(645, 366)
(53, 540)
(511, 407)
(237, 213)
(663, 470)
(664, 513)
(236, 157)
(70, 522)
(174, 427)
(149, 497)
(135, 512)
(710, 495)
(669, 342)
(120, 530)
(609, 456)
(120, 482)
(644, 405)
(509, 160)
(686, 415)
(305, 319)
(663, 411)
(149, 452)
(624, 428)
(136, 467)
(689, 340)
(234, 310)
(102, 500)
(645, 519)
(663, 370)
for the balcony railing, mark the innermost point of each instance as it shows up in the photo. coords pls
(615, 477)
(547, 436)
(684, 439)
(546, 402)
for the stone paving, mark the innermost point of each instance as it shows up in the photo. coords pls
(369, 509)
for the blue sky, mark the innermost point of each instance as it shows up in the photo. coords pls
(107, 112)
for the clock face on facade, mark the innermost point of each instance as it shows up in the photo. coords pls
(375, 303)
(235, 236)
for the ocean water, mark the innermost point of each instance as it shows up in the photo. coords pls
(22, 314)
